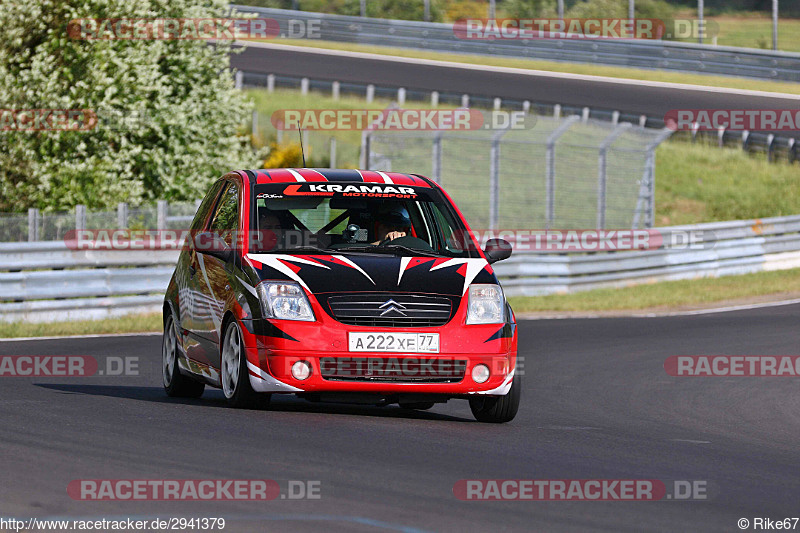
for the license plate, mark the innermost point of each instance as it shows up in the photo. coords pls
(394, 342)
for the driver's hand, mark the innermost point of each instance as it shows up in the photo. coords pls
(392, 235)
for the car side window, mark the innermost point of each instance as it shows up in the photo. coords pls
(205, 206)
(225, 220)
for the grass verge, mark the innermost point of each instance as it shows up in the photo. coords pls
(556, 66)
(666, 294)
(126, 324)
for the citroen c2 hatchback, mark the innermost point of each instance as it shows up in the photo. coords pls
(339, 285)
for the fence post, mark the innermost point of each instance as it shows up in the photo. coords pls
(161, 212)
(770, 144)
(370, 93)
(401, 96)
(464, 100)
(238, 79)
(497, 103)
(271, 83)
(602, 164)
(494, 179)
(366, 141)
(550, 168)
(435, 99)
(335, 88)
(647, 185)
(642, 121)
(557, 111)
(80, 217)
(615, 118)
(254, 127)
(526, 106)
(436, 157)
(304, 86)
(333, 152)
(122, 215)
(721, 136)
(585, 115)
(33, 224)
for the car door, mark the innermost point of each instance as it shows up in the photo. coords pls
(214, 276)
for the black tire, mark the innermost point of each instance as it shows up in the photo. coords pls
(417, 406)
(234, 375)
(175, 384)
(497, 409)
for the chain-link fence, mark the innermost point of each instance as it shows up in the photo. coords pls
(565, 173)
(38, 226)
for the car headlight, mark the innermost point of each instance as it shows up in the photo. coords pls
(284, 300)
(486, 305)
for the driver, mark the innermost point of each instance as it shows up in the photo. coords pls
(392, 223)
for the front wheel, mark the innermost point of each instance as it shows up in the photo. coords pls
(176, 384)
(235, 375)
(497, 409)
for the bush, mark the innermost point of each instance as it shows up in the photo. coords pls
(529, 9)
(466, 9)
(594, 9)
(180, 94)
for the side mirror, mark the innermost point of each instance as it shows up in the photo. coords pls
(497, 250)
(210, 243)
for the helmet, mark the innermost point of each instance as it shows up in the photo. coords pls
(395, 216)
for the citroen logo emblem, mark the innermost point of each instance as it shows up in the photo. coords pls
(390, 305)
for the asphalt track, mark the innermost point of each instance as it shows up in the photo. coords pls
(652, 99)
(597, 403)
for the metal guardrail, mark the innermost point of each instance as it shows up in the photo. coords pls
(48, 281)
(67, 290)
(736, 247)
(668, 55)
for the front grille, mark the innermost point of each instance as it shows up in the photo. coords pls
(393, 369)
(391, 310)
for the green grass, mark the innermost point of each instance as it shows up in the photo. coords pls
(572, 68)
(666, 294)
(704, 183)
(754, 30)
(126, 324)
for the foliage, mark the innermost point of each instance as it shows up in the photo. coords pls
(285, 156)
(528, 9)
(651, 9)
(175, 111)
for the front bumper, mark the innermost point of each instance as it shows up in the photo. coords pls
(270, 361)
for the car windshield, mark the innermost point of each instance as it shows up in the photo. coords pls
(357, 218)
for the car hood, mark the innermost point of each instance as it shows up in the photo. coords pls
(374, 273)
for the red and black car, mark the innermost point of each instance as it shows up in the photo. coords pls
(339, 285)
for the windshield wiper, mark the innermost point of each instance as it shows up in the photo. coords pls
(388, 248)
(299, 249)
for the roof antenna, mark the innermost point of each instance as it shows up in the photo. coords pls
(302, 150)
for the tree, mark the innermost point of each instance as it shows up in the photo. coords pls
(168, 113)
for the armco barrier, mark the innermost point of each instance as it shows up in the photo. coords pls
(668, 55)
(46, 281)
